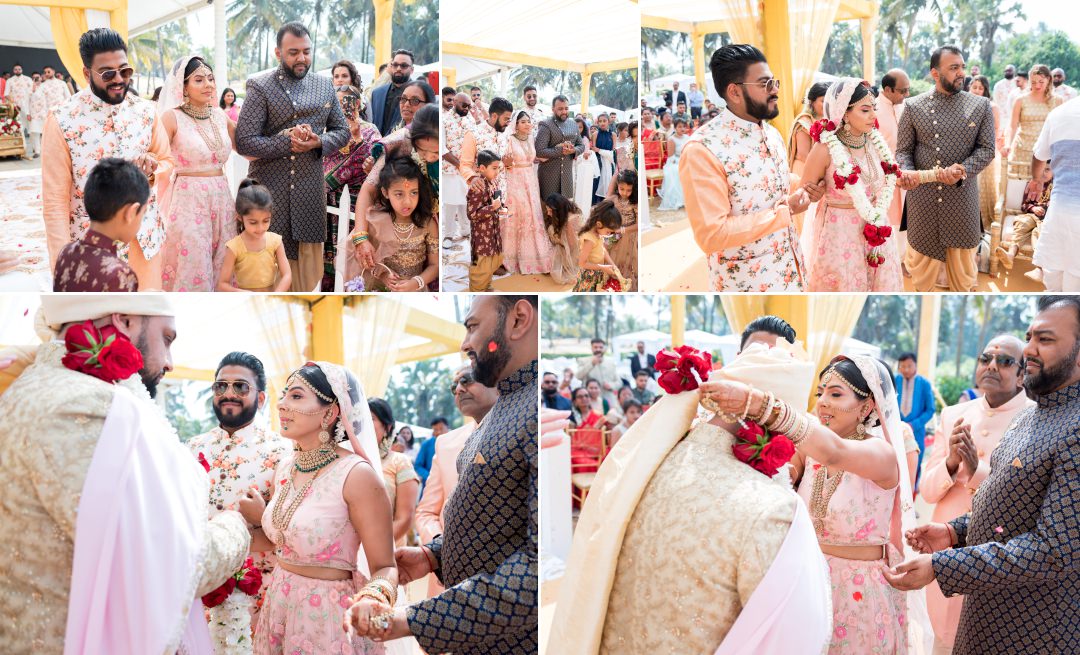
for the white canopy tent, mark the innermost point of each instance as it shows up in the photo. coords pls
(28, 26)
(560, 34)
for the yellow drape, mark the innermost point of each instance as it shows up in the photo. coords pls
(811, 26)
(285, 323)
(741, 309)
(375, 327)
(832, 320)
(743, 22)
(67, 26)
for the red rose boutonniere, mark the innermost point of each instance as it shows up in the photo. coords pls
(106, 354)
(762, 450)
(678, 368)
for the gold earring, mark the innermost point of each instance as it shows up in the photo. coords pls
(324, 435)
(860, 430)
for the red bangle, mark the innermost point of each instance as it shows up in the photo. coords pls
(430, 558)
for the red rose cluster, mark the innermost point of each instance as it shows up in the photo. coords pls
(890, 169)
(248, 579)
(823, 125)
(876, 234)
(106, 354)
(612, 284)
(763, 451)
(842, 181)
(677, 368)
(875, 259)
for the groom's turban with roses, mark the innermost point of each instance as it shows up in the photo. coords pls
(59, 310)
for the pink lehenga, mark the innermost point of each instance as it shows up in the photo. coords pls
(526, 248)
(869, 616)
(838, 259)
(301, 614)
(198, 207)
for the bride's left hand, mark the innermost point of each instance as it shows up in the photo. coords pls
(727, 396)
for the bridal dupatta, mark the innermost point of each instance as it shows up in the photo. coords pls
(139, 541)
(578, 624)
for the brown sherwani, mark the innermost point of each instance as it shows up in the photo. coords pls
(90, 263)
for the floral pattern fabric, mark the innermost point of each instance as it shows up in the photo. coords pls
(755, 162)
(526, 249)
(90, 264)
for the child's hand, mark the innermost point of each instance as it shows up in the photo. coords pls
(496, 204)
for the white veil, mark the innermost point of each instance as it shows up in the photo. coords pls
(172, 92)
(920, 633)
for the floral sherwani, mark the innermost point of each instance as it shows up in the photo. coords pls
(90, 264)
(1019, 547)
(78, 134)
(238, 461)
(734, 175)
(483, 137)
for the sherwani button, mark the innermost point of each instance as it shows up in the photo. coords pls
(292, 186)
(939, 199)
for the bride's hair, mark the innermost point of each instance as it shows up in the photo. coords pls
(860, 92)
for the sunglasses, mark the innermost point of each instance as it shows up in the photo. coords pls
(771, 86)
(109, 75)
(412, 102)
(398, 65)
(464, 381)
(221, 387)
(1002, 360)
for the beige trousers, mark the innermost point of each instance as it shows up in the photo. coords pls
(960, 270)
(481, 272)
(307, 270)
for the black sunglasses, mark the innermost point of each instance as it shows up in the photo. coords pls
(463, 381)
(1003, 361)
(414, 102)
(109, 75)
(221, 387)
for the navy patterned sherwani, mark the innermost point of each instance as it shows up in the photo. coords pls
(556, 174)
(487, 553)
(275, 102)
(1018, 560)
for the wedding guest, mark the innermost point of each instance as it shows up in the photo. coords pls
(1027, 226)
(402, 482)
(1028, 113)
(641, 387)
(631, 410)
(599, 368)
(594, 261)
(115, 197)
(485, 211)
(1054, 253)
(255, 258)
(403, 230)
(229, 105)
(560, 222)
(549, 393)
(965, 440)
(625, 251)
(799, 141)
(385, 99)
(915, 395)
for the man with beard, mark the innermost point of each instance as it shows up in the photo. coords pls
(474, 401)
(385, 106)
(239, 453)
(557, 142)
(734, 174)
(487, 554)
(19, 89)
(1015, 554)
(600, 369)
(1061, 89)
(1002, 89)
(479, 107)
(951, 132)
(74, 139)
(456, 124)
(103, 512)
(288, 120)
(448, 93)
(535, 112)
(967, 435)
(549, 393)
(488, 135)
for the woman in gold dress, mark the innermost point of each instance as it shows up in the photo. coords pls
(1029, 112)
(799, 141)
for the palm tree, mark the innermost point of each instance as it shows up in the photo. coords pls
(653, 39)
(416, 28)
(616, 89)
(252, 22)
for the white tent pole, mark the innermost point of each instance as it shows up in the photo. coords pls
(504, 79)
(221, 57)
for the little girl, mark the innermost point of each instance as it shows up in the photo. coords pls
(593, 260)
(256, 255)
(560, 222)
(402, 230)
(625, 251)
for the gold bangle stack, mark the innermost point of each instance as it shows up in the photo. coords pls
(801, 431)
(359, 238)
(926, 177)
(379, 590)
(766, 409)
(786, 419)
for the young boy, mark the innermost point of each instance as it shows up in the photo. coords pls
(1027, 226)
(485, 210)
(115, 194)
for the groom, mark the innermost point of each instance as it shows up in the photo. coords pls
(1015, 555)
(103, 512)
(288, 120)
(677, 537)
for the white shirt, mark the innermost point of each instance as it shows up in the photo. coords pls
(1059, 143)
(1001, 96)
(1065, 92)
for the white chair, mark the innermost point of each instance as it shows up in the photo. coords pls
(344, 213)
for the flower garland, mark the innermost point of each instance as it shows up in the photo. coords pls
(848, 174)
(10, 127)
(229, 609)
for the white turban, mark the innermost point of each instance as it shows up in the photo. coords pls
(58, 310)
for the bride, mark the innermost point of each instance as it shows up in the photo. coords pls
(853, 249)
(851, 469)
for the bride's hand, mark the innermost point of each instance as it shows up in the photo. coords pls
(725, 395)
(252, 506)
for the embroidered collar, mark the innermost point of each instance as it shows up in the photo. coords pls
(1060, 397)
(726, 116)
(96, 239)
(519, 379)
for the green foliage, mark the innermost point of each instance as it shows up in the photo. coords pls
(843, 54)
(951, 386)
(616, 89)
(179, 415)
(1044, 46)
(420, 391)
(890, 322)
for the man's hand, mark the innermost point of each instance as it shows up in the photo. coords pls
(930, 538)
(412, 564)
(596, 359)
(815, 190)
(1033, 190)
(799, 201)
(304, 142)
(911, 575)
(952, 462)
(908, 180)
(476, 183)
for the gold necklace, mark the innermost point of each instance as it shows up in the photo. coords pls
(840, 134)
(820, 495)
(406, 230)
(307, 461)
(200, 114)
(212, 140)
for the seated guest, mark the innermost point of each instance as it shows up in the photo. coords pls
(614, 415)
(631, 413)
(549, 393)
(115, 195)
(640, 391)
(1026, 227)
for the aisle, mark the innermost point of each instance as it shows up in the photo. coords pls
(455, 275)
(22, 230)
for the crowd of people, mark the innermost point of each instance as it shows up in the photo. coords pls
(958, 581)
(871, 185)
(534, 192)
(332, 511)
(306, 138)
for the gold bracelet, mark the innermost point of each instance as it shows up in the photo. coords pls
(793, 416)
(781, 414)
(801, 432)
(766, 408)
(376, 594)
(385, 587)
(749, 399)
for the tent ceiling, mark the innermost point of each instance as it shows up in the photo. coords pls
(29, 26)
(682, 15)
(559, 31)
(470, 69)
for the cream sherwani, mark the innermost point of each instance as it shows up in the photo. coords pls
(53, 418)
(953, 493)
(440, 484)
(888, 115)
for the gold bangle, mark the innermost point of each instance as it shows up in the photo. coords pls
(766, 408)
(749, 399)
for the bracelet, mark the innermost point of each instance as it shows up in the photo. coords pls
(359, 238)
(781, 414)
(378, 596)
(749, 398)
(419, 282)
(801, 431)
(793, 416)
(431, 558)
(384, 587)
(766, 408)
